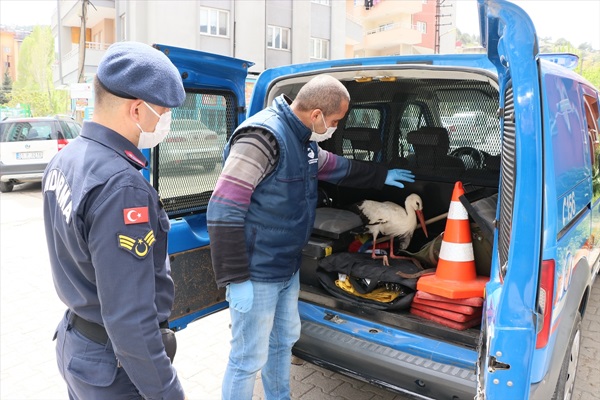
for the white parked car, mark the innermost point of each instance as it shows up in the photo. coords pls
(190, 144)
(470, 128)
(28, 144)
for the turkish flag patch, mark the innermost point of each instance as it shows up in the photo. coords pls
(137, 215)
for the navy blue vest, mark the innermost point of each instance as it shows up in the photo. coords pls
(282, 208)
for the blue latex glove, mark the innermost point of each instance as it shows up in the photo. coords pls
(394, 176)
(240, 296)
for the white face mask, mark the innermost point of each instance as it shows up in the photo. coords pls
(162, 129)
(319, 137)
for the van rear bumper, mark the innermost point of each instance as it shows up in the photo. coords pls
(384, 366)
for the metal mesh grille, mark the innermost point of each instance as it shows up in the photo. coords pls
(443, 129)
(189, 161)
(362, 134)
(470, 116)
(508, 170)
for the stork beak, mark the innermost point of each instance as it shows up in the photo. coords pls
(422, 221)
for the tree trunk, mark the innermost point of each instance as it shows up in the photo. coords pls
(84, 5)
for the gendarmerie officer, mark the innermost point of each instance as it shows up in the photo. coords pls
(107, 235)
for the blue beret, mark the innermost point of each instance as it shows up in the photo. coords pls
(135, 70)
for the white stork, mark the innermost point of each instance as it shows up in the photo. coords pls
(392, 220)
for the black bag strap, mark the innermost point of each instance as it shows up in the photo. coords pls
(414, 275)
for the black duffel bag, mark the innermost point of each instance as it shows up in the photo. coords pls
(368, 282)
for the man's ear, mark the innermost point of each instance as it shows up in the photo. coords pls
(314, 114)
(134, 109)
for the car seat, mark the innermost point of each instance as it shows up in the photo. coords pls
(364, 141)
(431, 145)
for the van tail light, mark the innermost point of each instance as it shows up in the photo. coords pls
(62, 143)
(545, 303)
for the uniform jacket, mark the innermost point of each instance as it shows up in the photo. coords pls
(107, 240)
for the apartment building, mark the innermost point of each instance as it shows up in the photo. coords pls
(10, 44)
(66, 27)
(267, 32)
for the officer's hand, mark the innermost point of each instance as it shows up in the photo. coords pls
(240, 296)
(395, 176)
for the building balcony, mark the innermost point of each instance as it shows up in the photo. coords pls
(70, 62)
(386, 8)
(354, 30)
(389, 36)
(70, 11)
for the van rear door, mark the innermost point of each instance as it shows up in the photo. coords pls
(185, 167)
(509, 326)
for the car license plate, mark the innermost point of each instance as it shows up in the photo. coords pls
(30, 155)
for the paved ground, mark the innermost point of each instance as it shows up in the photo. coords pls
(30, 310)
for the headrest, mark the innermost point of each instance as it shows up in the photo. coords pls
(429, 136)
(134, 70)
(364, 138)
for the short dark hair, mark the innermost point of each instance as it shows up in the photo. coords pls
(100, 94)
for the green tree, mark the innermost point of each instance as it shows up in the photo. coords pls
(34, 85)
(6, 88)
(592, 74)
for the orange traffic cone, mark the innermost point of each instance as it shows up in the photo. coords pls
(455, 276)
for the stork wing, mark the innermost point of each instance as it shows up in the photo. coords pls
(378, 222)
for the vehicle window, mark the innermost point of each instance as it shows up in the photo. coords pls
(362, 134)
(364, 118)
(412, 119)
(592, 116)
(471, 118)
(187, 164)
(70, 130)
(65, 131)
(24, 131)
(566, 124)
(75, 128)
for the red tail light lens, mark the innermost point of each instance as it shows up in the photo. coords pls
(62, 143)
(545, 302)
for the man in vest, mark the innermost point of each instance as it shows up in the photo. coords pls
(266, 197)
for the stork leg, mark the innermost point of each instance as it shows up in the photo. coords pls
(394, 256)
(374, 254)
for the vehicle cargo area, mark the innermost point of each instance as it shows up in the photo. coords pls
(443, 126)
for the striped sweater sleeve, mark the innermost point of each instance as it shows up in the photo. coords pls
(253, 155)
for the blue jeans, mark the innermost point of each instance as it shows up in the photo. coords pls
(263, 338)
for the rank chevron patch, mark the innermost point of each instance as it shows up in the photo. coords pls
(140, 246)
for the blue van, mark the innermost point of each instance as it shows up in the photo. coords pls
(516, 127)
